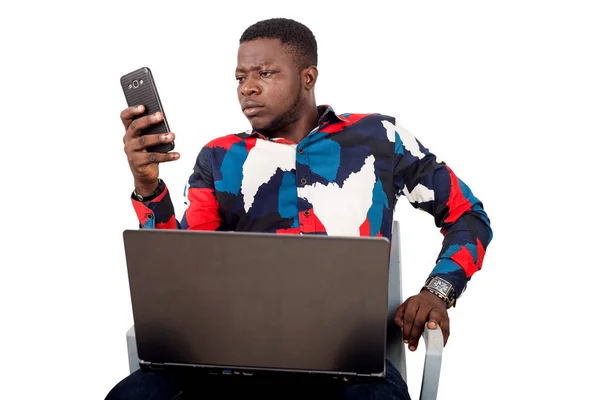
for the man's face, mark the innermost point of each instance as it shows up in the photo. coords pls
(270, 89)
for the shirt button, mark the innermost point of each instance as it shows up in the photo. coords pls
(300, 150)
(306, 213)
(303, 181)
(150, 216)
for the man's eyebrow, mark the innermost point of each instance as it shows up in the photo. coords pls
(255, 67)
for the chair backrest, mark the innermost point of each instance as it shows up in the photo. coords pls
(395, 347)
(395, 280)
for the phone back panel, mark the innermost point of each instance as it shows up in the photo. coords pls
(139, 88)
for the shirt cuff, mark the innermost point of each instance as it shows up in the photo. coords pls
(158, 213)
(453, 273)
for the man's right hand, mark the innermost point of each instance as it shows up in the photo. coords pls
(143, 164)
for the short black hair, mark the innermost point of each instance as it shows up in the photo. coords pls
(293, 34)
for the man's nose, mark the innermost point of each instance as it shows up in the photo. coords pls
(250, 87)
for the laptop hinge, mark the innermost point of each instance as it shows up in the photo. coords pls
(151, 365)
(371, 375)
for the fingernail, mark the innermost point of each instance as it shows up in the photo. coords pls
(167, 136)
(406, 341)
(157, 115)
(175, 156)
(140, 108)
(412, 348)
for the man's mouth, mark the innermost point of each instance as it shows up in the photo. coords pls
(251, 108)
(252, 111)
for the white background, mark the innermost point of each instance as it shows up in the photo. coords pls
(506, 92)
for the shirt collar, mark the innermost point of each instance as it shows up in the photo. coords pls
(326, 112)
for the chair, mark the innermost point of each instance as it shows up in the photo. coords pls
(396, 349)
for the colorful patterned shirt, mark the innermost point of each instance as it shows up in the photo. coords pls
(343, 179)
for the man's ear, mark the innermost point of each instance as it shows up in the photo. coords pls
(309, 77)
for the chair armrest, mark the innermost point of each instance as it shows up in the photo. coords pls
(134, 361)
(434, 345)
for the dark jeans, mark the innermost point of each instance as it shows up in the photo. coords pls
(170, 386)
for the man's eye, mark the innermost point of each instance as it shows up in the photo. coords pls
(240, 79)
(266, 74)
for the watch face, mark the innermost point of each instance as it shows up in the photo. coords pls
(440, 285)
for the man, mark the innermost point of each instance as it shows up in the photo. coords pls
(303, 169)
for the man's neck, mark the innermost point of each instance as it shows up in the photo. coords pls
(299, 129)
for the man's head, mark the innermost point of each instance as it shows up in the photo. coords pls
(276, 71)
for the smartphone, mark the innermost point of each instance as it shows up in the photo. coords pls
(139, 88)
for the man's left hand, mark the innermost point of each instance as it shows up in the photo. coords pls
(412, 315)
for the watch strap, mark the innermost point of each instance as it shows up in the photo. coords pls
(157, 192)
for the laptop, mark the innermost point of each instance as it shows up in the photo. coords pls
(248, 304)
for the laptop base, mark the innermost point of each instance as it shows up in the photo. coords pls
(237, 374)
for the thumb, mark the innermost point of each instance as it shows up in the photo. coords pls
(431, 325)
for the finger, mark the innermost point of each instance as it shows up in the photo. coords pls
(439, 318)
(409, 317)
(445, 325)
(399, 317)
(417, 328)
(139, 124)
(141, 159)
(435, 318)
(145, 141)
(130, 113)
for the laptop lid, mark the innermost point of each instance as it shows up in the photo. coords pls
(254, 301)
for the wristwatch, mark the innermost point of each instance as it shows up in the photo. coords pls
(157, 192)
(442, 289)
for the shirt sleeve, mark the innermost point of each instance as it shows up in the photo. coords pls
(430, 185)
(202, 207)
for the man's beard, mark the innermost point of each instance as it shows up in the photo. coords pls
(286, 118)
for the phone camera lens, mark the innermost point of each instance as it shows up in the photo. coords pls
(136, 84)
